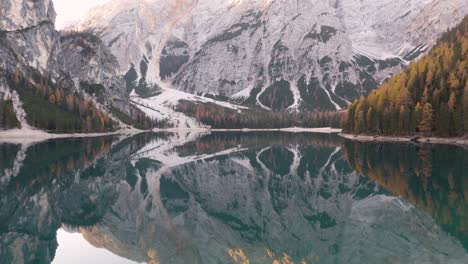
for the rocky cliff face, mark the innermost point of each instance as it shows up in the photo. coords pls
(30, 46)
(28, 37)
(94, 69)
(306, 55)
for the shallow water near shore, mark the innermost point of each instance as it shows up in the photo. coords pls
(232, 197)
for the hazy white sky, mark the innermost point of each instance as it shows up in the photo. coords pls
(71, 10)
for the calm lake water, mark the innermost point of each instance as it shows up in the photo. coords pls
(232, 198)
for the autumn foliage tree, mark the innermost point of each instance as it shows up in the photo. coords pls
(48, 106)
(429, 97)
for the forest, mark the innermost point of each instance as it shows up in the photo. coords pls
(50, 107)
(54, 108)
(8, 118)
(429, 98)
(222, 118)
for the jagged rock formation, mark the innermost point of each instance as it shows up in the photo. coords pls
(30, 47)
(94, 67)
(306, 55)
(28, 37)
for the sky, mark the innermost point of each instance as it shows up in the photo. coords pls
(74, 249)
(72, 10)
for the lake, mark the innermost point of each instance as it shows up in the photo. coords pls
(257, 197)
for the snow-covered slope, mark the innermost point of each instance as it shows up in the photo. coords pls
(163, 106)
(304, 54)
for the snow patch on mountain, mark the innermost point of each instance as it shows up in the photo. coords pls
(243, 49)
(7, 94)
(163, 107)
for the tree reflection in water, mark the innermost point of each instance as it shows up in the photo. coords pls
(236, 198)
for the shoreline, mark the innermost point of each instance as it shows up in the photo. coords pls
(30, 136)
(324, 130)
(406, 139)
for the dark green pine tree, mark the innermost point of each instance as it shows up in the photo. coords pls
(465, 108)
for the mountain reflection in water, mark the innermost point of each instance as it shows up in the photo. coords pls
(236, 198)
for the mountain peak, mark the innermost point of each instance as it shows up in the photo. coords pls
(246, 48)
(18, 14)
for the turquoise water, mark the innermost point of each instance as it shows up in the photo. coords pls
(232, 198)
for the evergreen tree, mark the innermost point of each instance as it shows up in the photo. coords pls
(371, 120)
(465, 107)
(404, 120)
(8, 118)
(430, 96)
(425, 126)
(416, 118)
(359, 116)
(453, 122)
(443, 121)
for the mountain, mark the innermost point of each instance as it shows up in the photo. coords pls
(295, 55)
(430, 97)
(71, 81)
(142, 63)
(58, 82)
(28, 37)
(90, 62)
